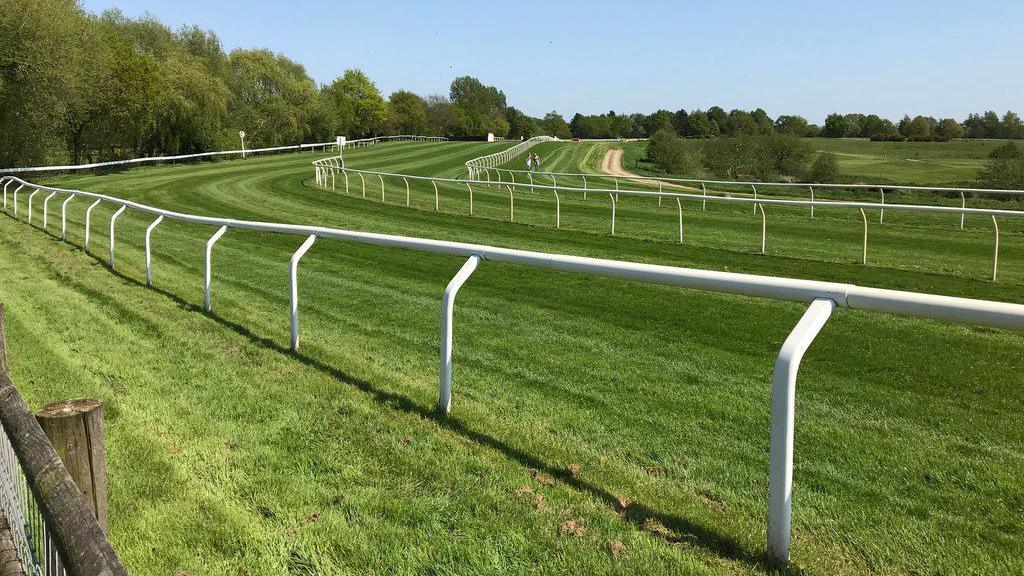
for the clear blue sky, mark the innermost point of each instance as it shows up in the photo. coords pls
(940, 58)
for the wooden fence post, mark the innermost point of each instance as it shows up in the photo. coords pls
(75, 428)
(3, 342)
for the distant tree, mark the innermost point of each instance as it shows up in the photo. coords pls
(358, 107)
(720, 119)
(669, 152)
(792, 125)
(949, 129)
(974, 126)
(783, 155)
(620, 126)
(442, 117)
(407, 113)
(1005, 168)
(836, 126)
(520, 125)
(993, 126)
(904, 126)
(481, 108)
(919, 129)
(1013, 128)
(741, 123)
(825, 169)
(765, 125)
(699, 125)
(554, 125)
(660, 120)
(855, 125)
(679, 119)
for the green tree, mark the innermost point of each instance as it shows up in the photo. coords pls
(668, 151)
(949, 129)
(825, 169)
(442, 117)
(1005, 168)
(554, 125)
(481, 108)
(792, 125)
(699, 125)
(520, 125)
(1013, 128)
(407, 114)
(660, 120)
(358, 107)
(836, 126)
(765, 124)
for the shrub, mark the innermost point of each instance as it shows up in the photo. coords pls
(669, 152)
(1008, 150)
(765, 158)
(1005, 169)
(825, 169)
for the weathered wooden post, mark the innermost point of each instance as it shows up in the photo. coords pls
(75, 428)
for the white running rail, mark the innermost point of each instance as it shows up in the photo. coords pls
(474, 166)
(326, 168)
(156, 159)
(821, 297)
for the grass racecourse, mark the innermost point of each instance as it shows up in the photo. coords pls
(598, 427)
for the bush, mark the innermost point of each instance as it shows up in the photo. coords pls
(669, 152)
(825, 169)
(1008, 150)
(1005, 169)
(765, 158)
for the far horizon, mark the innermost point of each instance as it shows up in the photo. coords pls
(802, 58)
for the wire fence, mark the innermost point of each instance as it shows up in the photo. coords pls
(53, 529)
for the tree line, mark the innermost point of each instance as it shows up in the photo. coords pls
(76, 86)
(716, 122)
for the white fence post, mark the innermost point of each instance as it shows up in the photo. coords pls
(406, 190)
(780, 475)
(381, 178)
(64, 217)
(437, 197)
(679, 205)
(764, 227)
(864, 257)
(511, 206)
(15, 199)
(470, 198)
(88, 213)
(6, 184)
(293, 284)
(704, 204)
(149, 257)
(755, 198)
(612, 196)
(208, 281)
(963, 204)
(812, 201)
(995, 254)
(113, 220)
(46, 209)
(444, 402)
(881, 212)
(30, 197)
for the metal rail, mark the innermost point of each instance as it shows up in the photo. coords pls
(820, 296)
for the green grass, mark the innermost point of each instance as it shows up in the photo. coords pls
(953, 164)
(229, 454)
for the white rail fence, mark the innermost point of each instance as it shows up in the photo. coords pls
(325, 170)
(821, 297)
(882, 189)
(243, 153)
(474, 166)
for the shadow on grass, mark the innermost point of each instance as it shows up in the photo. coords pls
(681, 530)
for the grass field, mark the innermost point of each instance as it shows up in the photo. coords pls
(229, 454)
(955, 163)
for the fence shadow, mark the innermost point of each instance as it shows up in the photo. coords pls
(682, 531)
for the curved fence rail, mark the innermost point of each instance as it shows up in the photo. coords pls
(821, 297)
(51, 525)
(326, 168)
(474, 166)
(243, 153)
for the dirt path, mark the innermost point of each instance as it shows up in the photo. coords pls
(612, 164)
